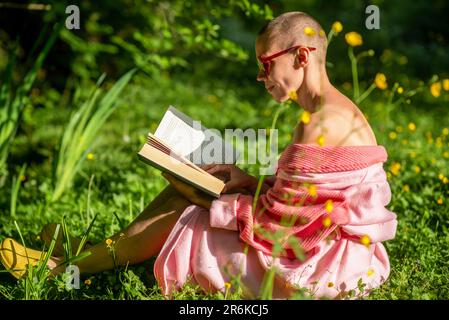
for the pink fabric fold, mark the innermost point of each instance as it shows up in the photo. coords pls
(340, 244)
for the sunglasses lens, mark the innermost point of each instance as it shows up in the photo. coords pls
(266, 67)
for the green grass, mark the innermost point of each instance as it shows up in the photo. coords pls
(115, 184)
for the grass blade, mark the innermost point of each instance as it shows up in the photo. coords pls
(66, 241)
(15, 191)
(49, 252)
(85, 236)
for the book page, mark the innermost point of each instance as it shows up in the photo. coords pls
(162, 146)
(190, 139)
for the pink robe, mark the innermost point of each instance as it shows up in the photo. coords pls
(340, 241)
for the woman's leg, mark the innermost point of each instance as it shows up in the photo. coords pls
(152, 210)
(135, 226)
(142, 239)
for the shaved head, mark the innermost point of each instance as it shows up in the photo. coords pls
(295, 28)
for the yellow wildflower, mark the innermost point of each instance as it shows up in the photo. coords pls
(399, 129)
(337, 27)
(417, 169)
(446, 84)
(87, 282)
(395, 168)
(381, 81)
(309, 31)
(441, 176)
(322, 33)
(445, 131)
(435, 89)
(227, 285)
(446, 154)
(406, 188)
(440, 201)
(365, 240)
(393, 135)
(354, 39)
(346, 86)
(266, 112)
(400, 90)
(90, 156)
(330, 284)
(108, 242)
(305, 117)
(312, 190)
(411, 126)
(327, 221)
(403, 60)
(293, 95)
(370, 272)
(212, 98)
(445, 180)
(320, 140)
(329, 205)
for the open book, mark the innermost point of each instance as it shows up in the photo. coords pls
(181, 144)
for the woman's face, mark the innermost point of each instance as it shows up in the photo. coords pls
(285, 74)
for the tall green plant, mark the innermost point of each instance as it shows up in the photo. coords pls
(12, 102)
(16, 181)
(81, 131)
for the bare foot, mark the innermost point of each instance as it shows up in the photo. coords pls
(47, 235)
(55, 265)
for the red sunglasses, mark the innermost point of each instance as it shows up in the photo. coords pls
(264, 62)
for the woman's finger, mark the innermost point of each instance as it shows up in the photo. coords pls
(219, 168)
(190, 193)
(207, 166)
(230, 185)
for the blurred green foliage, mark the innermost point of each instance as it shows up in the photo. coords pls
(215, 39)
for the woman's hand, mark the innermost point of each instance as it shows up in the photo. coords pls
(235, 178)
(190, 193)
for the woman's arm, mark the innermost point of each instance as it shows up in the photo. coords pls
(190, 193)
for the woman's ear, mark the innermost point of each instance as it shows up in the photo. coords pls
(302, 57)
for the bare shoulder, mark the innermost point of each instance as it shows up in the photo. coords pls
(340, 124)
